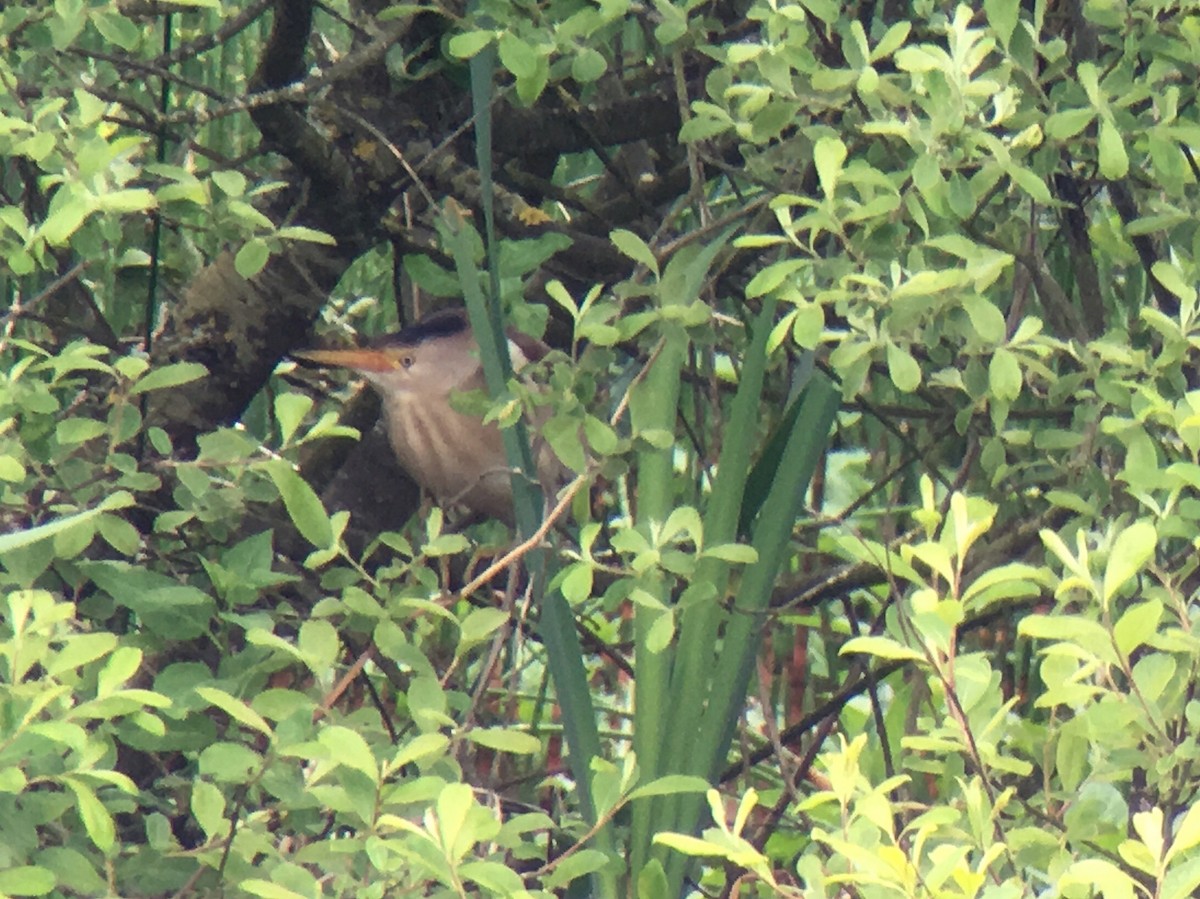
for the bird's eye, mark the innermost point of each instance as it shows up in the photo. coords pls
(407, 361)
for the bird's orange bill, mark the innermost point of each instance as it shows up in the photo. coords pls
(357, 358)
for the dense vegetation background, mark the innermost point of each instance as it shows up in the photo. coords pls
(875, 329)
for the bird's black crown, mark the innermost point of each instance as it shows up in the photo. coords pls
(444, 323)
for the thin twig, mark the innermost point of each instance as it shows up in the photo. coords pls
(522, 549)
(344, 684)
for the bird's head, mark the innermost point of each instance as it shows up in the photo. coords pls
(431, 358)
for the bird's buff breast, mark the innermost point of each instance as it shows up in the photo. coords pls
(454, 456)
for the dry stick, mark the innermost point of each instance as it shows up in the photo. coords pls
(695, 175)
(342, 685)
(395, 151)
(522, 549)
(301, 90)
(229, 29)
(52, 288)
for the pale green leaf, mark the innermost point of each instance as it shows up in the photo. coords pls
(903, 369)
(1114, 161)
(1132, 549)
(880, 647)
(505, 740)
(303, 505)
(235, 709)
(1004, 375)
(464, 46)
(172, 375)
(634, 247)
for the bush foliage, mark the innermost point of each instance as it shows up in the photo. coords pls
(873, 327)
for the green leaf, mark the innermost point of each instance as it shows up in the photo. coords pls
(252, 257)
(774, 275)
(466, 45)
(496, 878)
(479, 625)
(1187, 832)
(1064, 125)
(169, 376)
(208, 808)
(96, 820)
(671, 785)
(1071, 754)
(1137, 626)
(1089, 76)
(588, 65)
(903, 369)
(68, 210)
(1133, 548)
(737, 553)
(1072, 631)
(1114, 161)
(134, 199)
(454, 805)
(119, 500)
(517, 56)
(686, 844)
(634, 247)
(347, 747)
(825, 10)
(162, 604)
(11, 469)
(68, 22)
(652, 881)
(919, 59)
(26, 880)
(577, 583)
(583, 863)
(227, 762)
(268, 890)
(119, 534)
(562, 432)
(829, 155)
(235, 709)
(117, 29)
(1004, 375)
(303, 505)
(1031, 183)
(71, 431)
(309, 235)
(74, 870)
(661, 632)
(290, 409)
(430, 276)
(673, 22)
(119, 668)
(319, 645)
(986, 320)
(505, 740)
(881, 647)
(928, 283)
(231, 183)
(529, 89)
(1100, 875)
(891, 40)
(1169, 275)
(1002, 16)
(420, 747)
(79, 651)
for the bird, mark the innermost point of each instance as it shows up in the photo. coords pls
(456, 457)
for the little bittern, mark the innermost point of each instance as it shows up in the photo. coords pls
(454, 456)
